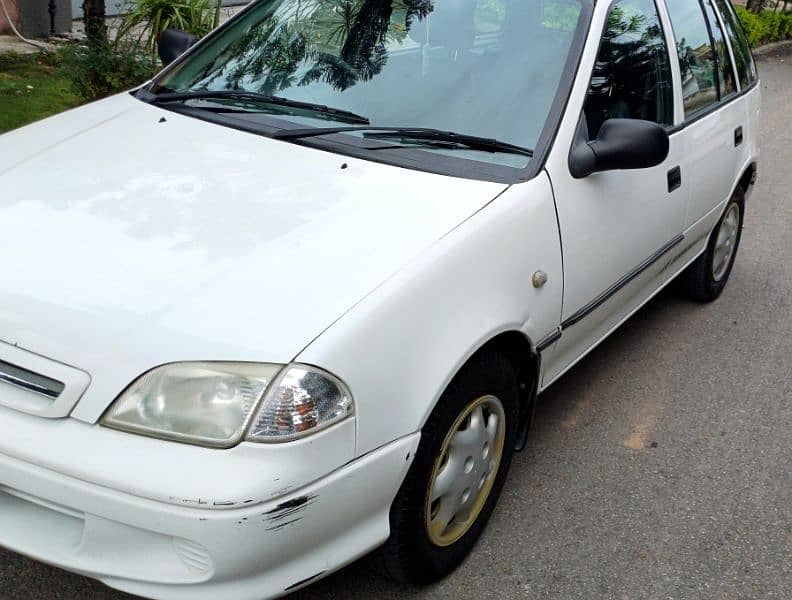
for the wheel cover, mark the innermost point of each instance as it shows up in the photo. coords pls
(726, 242)
(465, 470)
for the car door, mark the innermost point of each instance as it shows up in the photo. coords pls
(619, 229)
(714, 125)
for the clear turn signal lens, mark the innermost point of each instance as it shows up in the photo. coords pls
(303, 400)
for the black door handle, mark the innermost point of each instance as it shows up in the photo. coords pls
(738, 136)
(674, 179)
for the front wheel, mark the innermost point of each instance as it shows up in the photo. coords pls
(456, 478)
(706, 277)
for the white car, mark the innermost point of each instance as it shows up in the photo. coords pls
(293, 300)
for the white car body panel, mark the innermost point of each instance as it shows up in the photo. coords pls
(422, 325)
(208, 243)
(711, 158)
(135, 260)
(191, 552)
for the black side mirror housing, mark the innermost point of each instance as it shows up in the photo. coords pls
(172, 43)
(620, 144)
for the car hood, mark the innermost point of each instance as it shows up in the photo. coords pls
(131, 237)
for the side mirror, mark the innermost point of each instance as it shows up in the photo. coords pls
(620, 144)
(172, 43)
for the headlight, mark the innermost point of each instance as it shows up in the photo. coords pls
(215, 403)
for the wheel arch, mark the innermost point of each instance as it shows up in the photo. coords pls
(518, 349)
(748, 178)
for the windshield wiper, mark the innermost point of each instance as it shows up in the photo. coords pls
(448, 140)
(255, 97)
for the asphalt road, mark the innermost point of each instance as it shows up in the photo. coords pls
(660, 467)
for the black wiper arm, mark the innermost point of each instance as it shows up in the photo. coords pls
(471, 142)
(254, 97)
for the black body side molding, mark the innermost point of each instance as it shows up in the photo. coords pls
(606, 295)
(548, 341)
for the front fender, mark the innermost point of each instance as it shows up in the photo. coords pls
(399, 347)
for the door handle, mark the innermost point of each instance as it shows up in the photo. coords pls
(738, 136)
(674, 179)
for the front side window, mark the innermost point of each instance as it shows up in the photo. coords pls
(746, 68)
(632, 77)
(696, 56)
(485, 68)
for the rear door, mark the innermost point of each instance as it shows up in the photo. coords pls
(713, 127)
(747, 80)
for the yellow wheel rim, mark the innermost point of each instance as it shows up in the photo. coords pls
(465, 470)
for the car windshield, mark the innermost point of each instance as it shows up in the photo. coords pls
(484, 68)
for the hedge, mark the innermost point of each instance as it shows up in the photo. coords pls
(766, 26)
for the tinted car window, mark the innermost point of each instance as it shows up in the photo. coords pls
(725, 71)
(632, 75)
(696, 56)
(746, 68)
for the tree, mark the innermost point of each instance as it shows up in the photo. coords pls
(339, 42)
(756, 6)
(95, 28)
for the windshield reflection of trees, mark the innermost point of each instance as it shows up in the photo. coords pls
(338, 42)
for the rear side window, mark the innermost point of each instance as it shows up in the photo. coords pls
(725, 72)
(696, 55)
(746, 68)
(632, 75)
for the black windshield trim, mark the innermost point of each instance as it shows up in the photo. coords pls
(416, 159)
(559, 106)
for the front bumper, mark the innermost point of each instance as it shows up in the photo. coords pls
(161, 550)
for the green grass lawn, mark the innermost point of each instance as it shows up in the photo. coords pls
(31, 88)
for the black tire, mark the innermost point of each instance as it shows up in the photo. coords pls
(409, 556)
(698, 280)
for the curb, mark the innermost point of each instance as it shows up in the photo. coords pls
(768, 48)
(12, 44)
